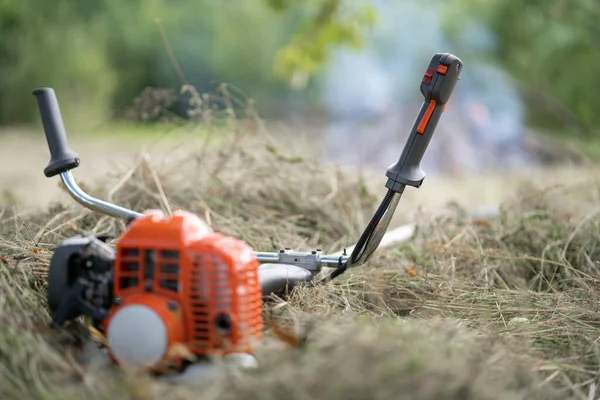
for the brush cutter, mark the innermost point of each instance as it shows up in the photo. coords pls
(171, 282)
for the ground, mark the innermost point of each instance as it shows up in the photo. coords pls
(504, 308)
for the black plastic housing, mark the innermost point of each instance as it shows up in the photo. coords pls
(441, 77)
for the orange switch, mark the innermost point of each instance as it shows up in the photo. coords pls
(426, 117)
(442, 69)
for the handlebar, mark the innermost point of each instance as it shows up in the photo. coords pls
(441, 76)
(437, 85)
(62, 158)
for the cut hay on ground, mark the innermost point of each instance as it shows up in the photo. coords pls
(499, 309)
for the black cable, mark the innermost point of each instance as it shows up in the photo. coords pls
(364, 238)
(377, 235)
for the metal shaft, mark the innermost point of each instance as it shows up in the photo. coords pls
(93, 203)
(326, 260)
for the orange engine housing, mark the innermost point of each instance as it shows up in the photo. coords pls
(202, 285)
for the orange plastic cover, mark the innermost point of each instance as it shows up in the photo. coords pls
(212, 278)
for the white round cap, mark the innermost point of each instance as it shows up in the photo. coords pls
(137, 336)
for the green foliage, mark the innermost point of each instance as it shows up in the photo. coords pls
(44, 45)
(99, 56)
(244, 56)
(552, 49)
(331, 26)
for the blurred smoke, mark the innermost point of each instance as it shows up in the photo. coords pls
(373, 96)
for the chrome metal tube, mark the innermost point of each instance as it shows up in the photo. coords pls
(326, 260)
(91, 202)
(266, 257)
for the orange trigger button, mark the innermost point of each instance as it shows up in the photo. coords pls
(426, 117)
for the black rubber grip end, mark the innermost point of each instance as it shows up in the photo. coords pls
(62, 158)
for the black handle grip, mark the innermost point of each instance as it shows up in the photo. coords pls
(62, 158)
(442, 75)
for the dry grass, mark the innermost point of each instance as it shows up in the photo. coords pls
(500, 309)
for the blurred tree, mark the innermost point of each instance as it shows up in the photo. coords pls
(53, 44)
(99, 55)
(328, 24)
(553, 49)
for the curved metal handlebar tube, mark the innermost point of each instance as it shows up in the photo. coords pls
(93, 203)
